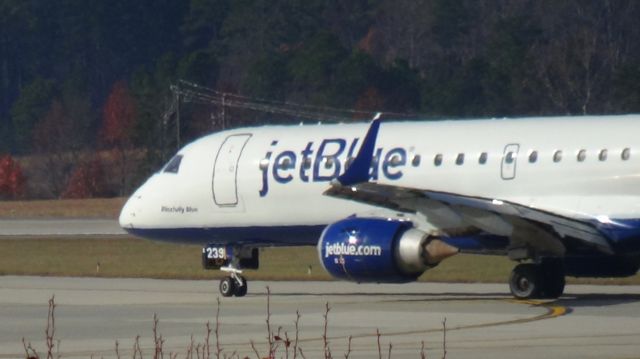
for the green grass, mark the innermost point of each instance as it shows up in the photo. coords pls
(132, 257)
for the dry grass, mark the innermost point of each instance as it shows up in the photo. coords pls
(279, 344)
(66, 208)
(132, 257)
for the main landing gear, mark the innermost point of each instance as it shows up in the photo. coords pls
(544, 279)
(234, 284)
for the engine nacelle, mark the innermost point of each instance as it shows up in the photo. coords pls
(378, 250)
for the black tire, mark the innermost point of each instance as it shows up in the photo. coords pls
(553, 287)
(227, 287)
(241, 290)
(551, 277)
(524, 281)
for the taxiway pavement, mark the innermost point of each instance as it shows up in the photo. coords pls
(60, 227)
(482, 320)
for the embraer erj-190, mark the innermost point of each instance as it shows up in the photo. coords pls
(386, 201)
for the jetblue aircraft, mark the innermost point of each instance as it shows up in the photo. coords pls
(385, 201)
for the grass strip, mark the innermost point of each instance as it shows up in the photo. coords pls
(136, 258)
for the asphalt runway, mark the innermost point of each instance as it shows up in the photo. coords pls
(482, 321)
(60, 227)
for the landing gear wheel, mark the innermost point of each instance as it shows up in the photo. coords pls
(241, 290)
(227, 287)
(524, 281)
(553, 287)
(551, 272)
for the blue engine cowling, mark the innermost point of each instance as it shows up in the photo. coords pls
(373, 250)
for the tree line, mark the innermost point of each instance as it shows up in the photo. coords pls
(85, 105)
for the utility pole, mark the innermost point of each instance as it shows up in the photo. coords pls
(177, 120)
(224, 123)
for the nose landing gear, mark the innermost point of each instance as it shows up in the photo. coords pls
(230, 260)
(234, 284)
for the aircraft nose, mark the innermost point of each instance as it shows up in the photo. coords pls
(128, 213)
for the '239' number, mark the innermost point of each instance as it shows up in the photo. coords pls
(216, 253)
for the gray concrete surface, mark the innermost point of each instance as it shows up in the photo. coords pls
(59, 227)
(482, 320)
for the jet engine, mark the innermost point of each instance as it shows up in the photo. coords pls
(379, 250)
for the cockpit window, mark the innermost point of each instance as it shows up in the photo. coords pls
(174, 165)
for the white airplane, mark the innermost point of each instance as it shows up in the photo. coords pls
(384, 202)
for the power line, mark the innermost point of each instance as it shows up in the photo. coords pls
(188, 92)
(195, 93)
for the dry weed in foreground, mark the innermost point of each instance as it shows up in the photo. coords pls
(279, 345)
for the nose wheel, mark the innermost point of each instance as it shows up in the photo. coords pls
(234, 284)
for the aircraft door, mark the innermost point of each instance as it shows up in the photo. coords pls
(225, 170)
(509, 159)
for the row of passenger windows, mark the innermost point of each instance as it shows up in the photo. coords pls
(174, 164)
(510, 157)
(438, 159)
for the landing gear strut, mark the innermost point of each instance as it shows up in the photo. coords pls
(234, 284)
(538, 280)
(231, 259)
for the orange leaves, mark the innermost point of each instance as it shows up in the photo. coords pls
(119, 114)
(12, 180)
(86, 181)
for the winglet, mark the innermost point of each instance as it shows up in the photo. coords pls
(358, 171)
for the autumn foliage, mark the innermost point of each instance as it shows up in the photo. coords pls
(116, 133)
(12, 180)
(87, 181)
(118, 117)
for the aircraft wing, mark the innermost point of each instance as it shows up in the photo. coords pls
(354, 185)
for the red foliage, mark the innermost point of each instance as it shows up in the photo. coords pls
(12, 180)
(119, 114)
(87, 181)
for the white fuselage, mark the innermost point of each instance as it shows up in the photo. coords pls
(275, 176)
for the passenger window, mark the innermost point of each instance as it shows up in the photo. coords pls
(328, 163)
(603, 155)
(395, 160)
(582, 155)
(415, 162)
(483, 158)
(174, 165)
(285, 163)
(509, 158)
(557, 156)
(306, 163)
(437, 160)
(626, 154)
(264, 164)
(533, 156)
(460, 159)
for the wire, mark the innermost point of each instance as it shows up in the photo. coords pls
(195, 93)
